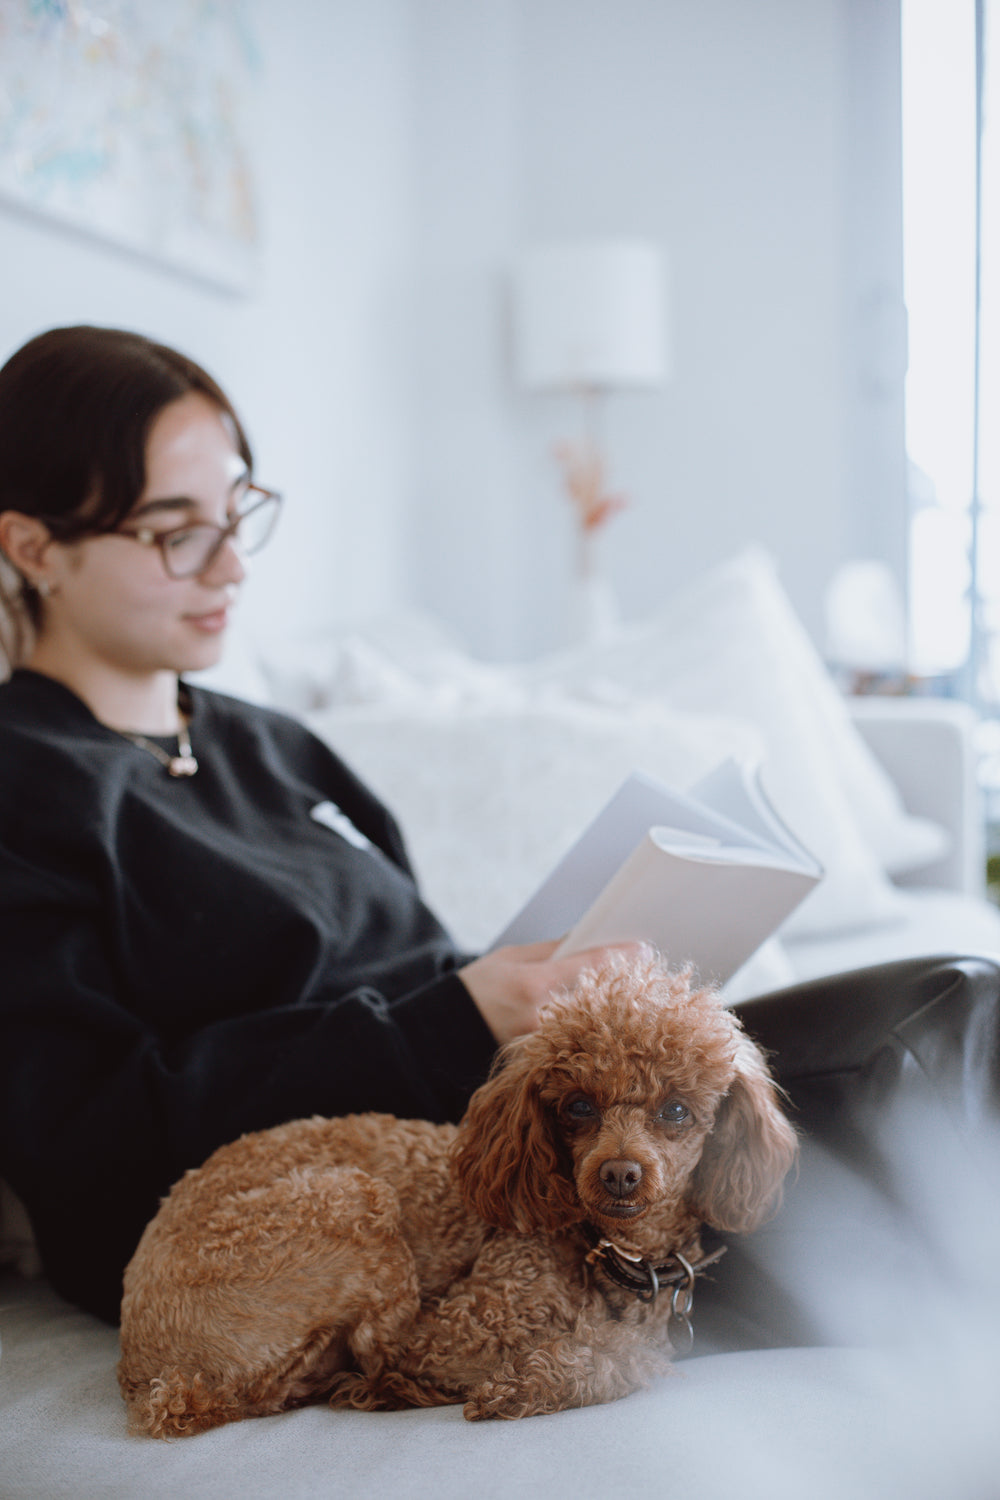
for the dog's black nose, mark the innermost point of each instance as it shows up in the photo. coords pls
(620, 1178)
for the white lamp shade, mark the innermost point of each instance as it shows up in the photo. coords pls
(590, 314)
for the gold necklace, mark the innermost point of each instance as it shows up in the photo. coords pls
(182, 764)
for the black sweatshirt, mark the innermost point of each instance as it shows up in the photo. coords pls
(185, 959)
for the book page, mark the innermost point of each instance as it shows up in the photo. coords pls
(712, 914)
(699, 846)
(640, 803)
(734, 790)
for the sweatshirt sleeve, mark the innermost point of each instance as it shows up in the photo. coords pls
(100, 1114)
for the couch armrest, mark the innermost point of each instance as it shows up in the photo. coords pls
(927, 746)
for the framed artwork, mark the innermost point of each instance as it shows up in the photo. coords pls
(129, 120)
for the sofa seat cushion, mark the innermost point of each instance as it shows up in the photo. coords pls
(777, 1423)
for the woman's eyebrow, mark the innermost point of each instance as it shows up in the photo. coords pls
(179, 502)
(154, 507)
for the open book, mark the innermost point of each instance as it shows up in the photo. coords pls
(705, 876)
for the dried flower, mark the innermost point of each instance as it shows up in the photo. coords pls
(583, 474)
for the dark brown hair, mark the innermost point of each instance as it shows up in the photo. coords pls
(76, 407)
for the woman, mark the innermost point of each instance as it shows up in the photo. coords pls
(209, 924)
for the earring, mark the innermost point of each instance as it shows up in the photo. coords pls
(42, 587)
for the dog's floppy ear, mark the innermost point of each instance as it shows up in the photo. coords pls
(506, 1158)
(737, 1183)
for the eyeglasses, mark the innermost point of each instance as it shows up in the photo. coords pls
(190, 550)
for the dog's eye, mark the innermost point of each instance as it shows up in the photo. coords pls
(673, 1113)
(580, 1109)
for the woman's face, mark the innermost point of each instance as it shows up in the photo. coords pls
(111, 597)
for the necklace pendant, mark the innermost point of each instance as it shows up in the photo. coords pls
(182, 765)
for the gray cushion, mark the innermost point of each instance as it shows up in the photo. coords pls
(777, 1423)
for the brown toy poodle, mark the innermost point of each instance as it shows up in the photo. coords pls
(540, 1255)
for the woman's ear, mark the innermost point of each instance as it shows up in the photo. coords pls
(24, 541)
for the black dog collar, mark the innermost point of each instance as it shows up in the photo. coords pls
(644, 1279)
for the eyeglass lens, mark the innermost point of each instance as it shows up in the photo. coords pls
(190, 551)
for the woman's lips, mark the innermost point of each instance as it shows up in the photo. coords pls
(211, 623)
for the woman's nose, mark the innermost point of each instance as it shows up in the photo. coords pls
(227, 566)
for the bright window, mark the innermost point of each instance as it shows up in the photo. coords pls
(951, 224)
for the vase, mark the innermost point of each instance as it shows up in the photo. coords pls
(593, 608)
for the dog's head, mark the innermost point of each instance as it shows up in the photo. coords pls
(639, 1098)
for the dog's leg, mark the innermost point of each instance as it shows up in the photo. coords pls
(275, 1291)
(586, 1368)
(389, 1390)
(459, 1339)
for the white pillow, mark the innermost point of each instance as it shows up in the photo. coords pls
(491, 795)
(320, 671)
(732, 644)
(386, 659)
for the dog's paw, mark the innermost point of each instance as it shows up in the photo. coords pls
(503, 1401)
(357, 1391)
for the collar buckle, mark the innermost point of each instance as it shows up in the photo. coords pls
(645, 1280)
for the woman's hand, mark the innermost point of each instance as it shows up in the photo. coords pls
(510, 985)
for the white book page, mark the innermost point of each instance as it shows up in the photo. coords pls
(640, 803)
(735, 792)
(712, 914)
(696, 846)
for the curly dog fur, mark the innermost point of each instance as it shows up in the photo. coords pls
(381, 1263)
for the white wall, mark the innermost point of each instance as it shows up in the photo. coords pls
(739, 137)
(407, 149)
